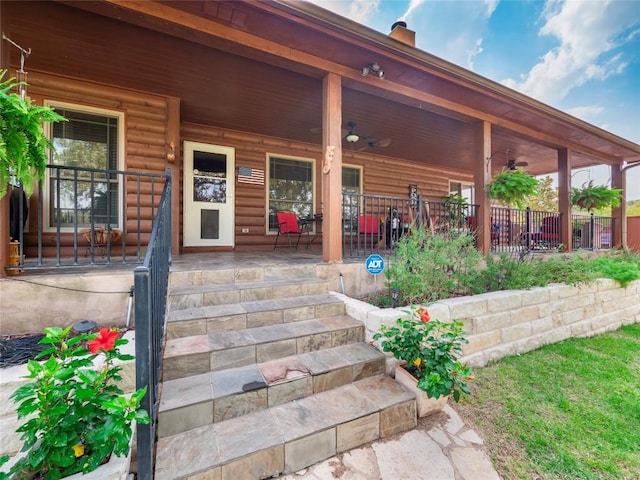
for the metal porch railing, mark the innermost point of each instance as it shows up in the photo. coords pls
(375, 223)
(540, 231)
(92, 217)
(151, 283)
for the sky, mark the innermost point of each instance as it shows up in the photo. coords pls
(579, 56)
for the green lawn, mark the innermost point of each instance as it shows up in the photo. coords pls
(565, 411)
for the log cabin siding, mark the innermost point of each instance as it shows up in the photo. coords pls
(145, 146)
(381, 176)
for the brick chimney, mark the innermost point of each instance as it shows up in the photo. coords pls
(400, 32)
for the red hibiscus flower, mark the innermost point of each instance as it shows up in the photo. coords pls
(424, 315)
(105, 340)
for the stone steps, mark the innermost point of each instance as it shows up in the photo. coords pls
(200, 320)
(199, 354)
(288, 437)
(198, 400)
(264, 374)
(190, 296)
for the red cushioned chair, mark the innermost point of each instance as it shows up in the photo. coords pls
(288, 225)
(369, 225)
(549, 234)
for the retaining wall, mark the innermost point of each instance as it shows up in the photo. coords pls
(516, 321)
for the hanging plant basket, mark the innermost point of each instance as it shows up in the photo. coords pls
(512, 187)
(594, 197)
(23, 149)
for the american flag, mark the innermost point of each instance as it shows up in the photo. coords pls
(250, 175)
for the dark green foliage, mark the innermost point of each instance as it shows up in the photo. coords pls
(427, 267)
(430, 349)
(594, 197)
(69, 405)
(23, 144)
(512, 187)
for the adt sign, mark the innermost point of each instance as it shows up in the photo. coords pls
(374, 264)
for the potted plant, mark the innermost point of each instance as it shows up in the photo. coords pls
(77, 415)
(23, 143)
(512, 187)
(429, 351)
(594, 197)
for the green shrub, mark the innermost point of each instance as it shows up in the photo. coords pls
(428, 267)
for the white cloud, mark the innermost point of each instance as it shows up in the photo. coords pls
(452, 30)
(586, 112)
(413, 5)
(587, 32)
(359, 11)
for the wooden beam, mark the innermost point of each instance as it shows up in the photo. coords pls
(174, 162)
(619, 214)
(332, 168)
(4, 201)
(482, 176)
(564, 197)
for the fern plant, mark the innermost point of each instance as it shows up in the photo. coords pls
(594, 197)
(23, 143)
(512, 187)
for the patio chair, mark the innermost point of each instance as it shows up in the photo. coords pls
(288, 225)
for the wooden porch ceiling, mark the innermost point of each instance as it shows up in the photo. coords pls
(258, 67)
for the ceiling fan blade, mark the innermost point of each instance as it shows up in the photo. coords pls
(385, 142)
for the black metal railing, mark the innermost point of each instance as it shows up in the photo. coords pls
(591, 232)
(532, 230)
(151, 283)
(82, 218)
(541, 231)
(375, 223)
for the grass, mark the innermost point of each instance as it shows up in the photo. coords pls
(565, 411)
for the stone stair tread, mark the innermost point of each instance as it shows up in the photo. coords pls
(215, 385)
(220, 287)
(273, 434)
(253, 306)
(252, 336)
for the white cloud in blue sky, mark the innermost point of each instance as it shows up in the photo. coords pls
(580, 56)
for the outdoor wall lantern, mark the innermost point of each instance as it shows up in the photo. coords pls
(374, 69)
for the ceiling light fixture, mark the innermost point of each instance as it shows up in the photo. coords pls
(373, 68)
(352, 137)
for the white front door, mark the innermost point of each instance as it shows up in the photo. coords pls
(209, 180)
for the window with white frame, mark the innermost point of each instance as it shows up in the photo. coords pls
(290, 188)
(351, 191)
(89, 192)
(465, 190)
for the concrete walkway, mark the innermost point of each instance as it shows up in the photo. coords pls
(441, 447)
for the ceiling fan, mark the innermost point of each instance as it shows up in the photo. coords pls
(513, 163)
(370, 142)
(351, 136)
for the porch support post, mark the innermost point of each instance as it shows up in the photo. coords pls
(4, 201)
(331, 171)
(619, 214)
(564, 197)
(482, 176)
(174, 161)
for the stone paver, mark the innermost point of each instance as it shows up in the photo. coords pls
(449, 450)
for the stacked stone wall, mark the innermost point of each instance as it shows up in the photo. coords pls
(516, 321)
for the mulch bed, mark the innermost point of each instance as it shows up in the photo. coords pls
(19, 349)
